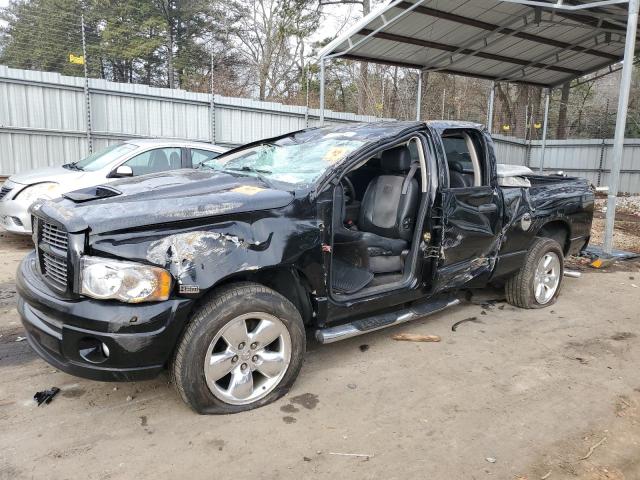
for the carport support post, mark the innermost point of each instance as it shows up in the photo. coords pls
(322, 91)
(492, 99)
(419, 99)
(547, 98)
(621, 121)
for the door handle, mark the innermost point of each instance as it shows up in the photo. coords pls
(487, 208)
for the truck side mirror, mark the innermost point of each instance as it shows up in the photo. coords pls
(123, 171)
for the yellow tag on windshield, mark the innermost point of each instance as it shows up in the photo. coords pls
(247, 189)
(335, 154)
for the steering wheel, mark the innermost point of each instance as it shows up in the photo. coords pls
(349, 190)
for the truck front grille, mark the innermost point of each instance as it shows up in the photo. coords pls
(52, 247)
(53, 235)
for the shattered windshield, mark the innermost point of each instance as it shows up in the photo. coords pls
(289, 160)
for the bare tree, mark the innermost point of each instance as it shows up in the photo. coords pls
(271, 34)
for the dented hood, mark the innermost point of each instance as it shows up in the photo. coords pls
(162, 198)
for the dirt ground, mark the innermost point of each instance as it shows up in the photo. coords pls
(513, 394)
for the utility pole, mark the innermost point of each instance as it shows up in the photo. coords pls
(87, 94)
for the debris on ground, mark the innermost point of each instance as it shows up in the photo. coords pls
(361, 455)
(572, 273)
(20, 339)
(364, 347)
(593, 447)
(455, 326)
(45, 396)
(547, 475)
(490, 460)
(414, 337)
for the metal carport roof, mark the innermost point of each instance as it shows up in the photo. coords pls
(536, 43)
(539, 42)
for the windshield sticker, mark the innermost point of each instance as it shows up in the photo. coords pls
(247, 189)
(335, 154)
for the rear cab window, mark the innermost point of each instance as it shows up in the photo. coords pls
(464, 150)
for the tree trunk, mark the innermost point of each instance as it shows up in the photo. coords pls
(170, 71)
(561, 132)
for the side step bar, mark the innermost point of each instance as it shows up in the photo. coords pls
(378, 322)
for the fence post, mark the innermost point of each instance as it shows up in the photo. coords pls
(602, 145)
(544, 129)
(87, 93)
(492, 98)
(212, 108)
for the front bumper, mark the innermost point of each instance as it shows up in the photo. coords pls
(15, 217)
(139, 338)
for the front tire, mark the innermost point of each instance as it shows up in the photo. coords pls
(537, 284)
(242, 349)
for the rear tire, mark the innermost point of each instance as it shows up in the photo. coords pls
(242, 349)
(537, 284)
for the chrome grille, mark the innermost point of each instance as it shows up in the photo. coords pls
(52, 253)
(4, 191)
(53, 235)
(55, 269)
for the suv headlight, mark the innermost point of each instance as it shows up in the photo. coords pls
(124, 281)
(46, 190)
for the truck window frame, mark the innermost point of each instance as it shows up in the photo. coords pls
(426, 201)
(479, 158)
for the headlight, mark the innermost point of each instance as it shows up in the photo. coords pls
(47, 190)
(125, 281)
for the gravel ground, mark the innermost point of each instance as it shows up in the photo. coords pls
(514, 394)
(626, 235)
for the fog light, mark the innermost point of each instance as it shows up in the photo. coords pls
(93, 350)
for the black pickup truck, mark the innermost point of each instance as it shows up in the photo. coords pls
(216, 273)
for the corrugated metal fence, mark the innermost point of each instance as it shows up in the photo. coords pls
(43, 123)
(590, 159)
(43, 119)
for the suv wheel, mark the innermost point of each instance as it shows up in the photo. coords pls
(242, 349)
(537, 283)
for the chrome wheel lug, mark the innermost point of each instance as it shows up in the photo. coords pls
(254, 345)
(254, 358)
(234, 359)
(243, 366)
(241, 346)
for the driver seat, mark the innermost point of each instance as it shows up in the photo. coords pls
(388, 211)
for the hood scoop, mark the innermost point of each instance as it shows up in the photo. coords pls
(92, 193)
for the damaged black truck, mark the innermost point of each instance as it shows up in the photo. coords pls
(217, 273)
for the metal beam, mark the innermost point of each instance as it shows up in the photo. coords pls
(385, 23)
(489, 26)
(362, 58)
(554, 53)
(544, 128)
(492, 99)
(419, 99)
(559, 5)
(463, 51)
(322, 92)
(621, 120)
(484, 38)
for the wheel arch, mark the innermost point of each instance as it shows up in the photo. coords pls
(558, 230)
(287, 281)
